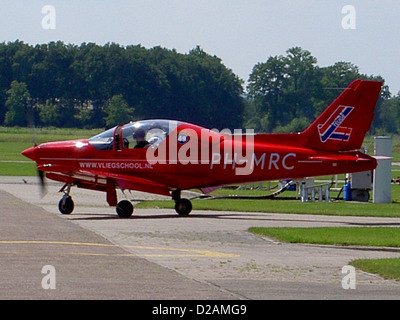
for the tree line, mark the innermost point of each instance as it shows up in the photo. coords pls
(94, 86)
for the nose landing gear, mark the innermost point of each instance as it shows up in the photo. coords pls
(66, 204)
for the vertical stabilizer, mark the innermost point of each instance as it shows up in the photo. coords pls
(345, 122)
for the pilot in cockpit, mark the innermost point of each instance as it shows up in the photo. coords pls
(140, 140)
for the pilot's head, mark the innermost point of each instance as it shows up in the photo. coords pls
(139, 134)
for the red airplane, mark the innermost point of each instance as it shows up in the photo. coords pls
(166, 156)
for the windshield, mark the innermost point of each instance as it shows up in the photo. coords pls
(140, 134)
(104, 140)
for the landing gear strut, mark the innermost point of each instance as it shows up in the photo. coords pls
(66, 204)
(182, 206)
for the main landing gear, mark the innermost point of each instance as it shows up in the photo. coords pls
(182, 206)
(124, 209)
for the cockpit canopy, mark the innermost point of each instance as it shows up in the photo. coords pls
(152, 131)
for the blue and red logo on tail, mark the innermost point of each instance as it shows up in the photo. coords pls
(331, 129)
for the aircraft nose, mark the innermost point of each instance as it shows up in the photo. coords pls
(30, 153)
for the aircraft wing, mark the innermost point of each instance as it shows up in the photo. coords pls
(99, 180)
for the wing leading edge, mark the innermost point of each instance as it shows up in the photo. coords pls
(105, 181)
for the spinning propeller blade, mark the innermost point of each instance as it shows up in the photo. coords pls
(43, 188)
(30, 152)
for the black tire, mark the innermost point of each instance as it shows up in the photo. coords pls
(66, 205)
(183, 207)
(124, 209)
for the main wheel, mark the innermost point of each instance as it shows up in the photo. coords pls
(124, 209)
(183, 207)
(66, 205)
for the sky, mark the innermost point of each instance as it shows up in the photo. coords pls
(240, 32)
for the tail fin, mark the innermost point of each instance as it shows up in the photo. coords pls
(343, 125)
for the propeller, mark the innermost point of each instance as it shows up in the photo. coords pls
(41, 174)
(42, 180)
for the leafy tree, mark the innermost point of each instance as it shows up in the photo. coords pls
(387, 119)
(16, 104)
(266, 87)
(296, 125)
(117, 111)
(85, 115)
(215, 92)
(303, 82)
(334, 79)
(50, 114)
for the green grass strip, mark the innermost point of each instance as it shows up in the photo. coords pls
(387, 268)
(362, 236)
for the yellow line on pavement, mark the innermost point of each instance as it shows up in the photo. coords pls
(182, 252)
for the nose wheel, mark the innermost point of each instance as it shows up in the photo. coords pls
(66, 204)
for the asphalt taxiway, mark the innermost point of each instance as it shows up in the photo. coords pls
(159, 255)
